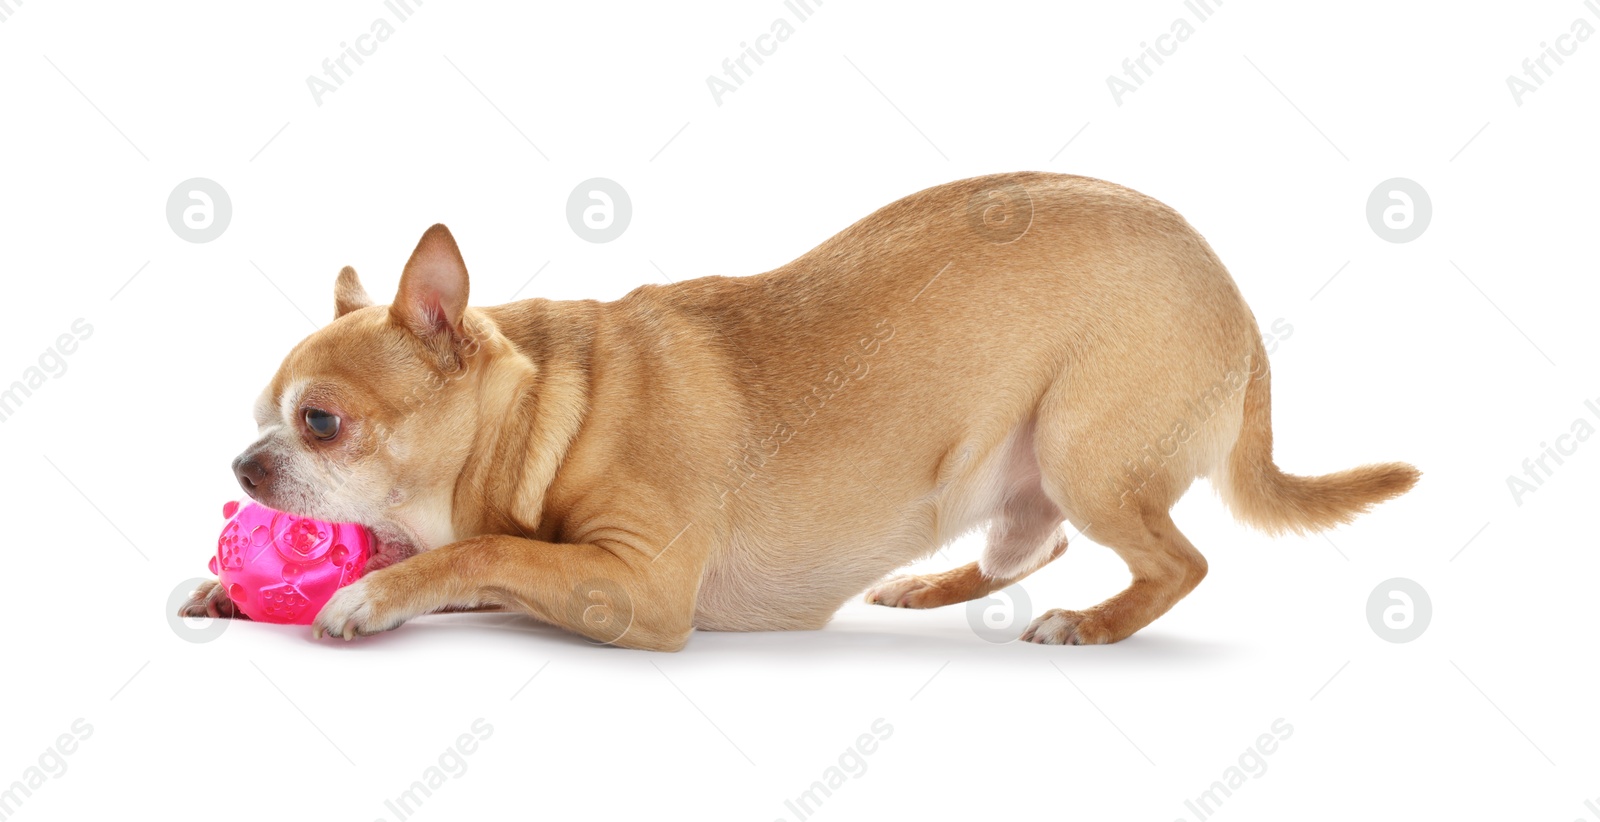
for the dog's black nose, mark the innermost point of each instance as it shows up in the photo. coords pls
(252, 471)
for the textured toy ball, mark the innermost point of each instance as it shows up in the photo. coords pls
(277, 567)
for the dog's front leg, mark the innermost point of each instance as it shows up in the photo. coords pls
(211, 600)
(610, 593)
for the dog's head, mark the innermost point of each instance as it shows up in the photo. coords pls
(371, 418)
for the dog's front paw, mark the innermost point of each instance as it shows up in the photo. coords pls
(1058, 627)
(210, 600)
(358, 609)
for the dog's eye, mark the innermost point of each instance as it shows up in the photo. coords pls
(323, 426)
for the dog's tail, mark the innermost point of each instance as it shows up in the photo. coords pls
(1261, 495)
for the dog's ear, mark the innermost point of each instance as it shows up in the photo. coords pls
(433, 292)
(348, 295)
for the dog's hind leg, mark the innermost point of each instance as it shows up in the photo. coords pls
(1085, 454)
(1165, 568)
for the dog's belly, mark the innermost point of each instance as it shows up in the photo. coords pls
(771, 577)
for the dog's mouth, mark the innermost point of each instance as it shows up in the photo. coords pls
(273, 483)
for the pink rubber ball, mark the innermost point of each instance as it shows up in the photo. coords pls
(277, 567)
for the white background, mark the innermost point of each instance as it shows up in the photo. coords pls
(1267, 129)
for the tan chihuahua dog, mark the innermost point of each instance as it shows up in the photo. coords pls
(746, 454)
